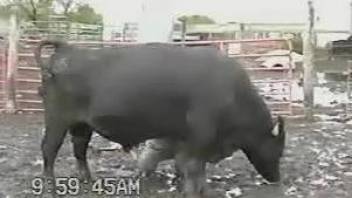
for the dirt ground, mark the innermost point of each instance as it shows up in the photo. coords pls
(317, 163)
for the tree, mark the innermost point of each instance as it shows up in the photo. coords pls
(196, 19)
(67, 5)
(30, 10)
(297, 43)
(40, 10)
(85, 14)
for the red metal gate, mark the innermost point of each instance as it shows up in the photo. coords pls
(27, 78)
(273, 83)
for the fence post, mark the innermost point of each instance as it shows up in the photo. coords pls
(348, 87)
(290, 73)
(308, 64)
(241, 32)
(10, 81)
(351, 18)
(184, 31)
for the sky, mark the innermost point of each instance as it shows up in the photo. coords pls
(333, 14)
(157, 15)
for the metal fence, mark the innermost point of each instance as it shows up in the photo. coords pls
(273, 83)
(348, 109)
(61, 30)
(27, 78)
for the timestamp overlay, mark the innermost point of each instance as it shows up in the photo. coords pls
(72, 186)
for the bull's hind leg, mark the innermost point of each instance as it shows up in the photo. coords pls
(55, 131)
(81, 135)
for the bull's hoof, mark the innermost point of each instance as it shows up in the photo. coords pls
(199, 193)
(84, 176)
(48, 174)
(193, 195)
(144, 174)
(49, 184)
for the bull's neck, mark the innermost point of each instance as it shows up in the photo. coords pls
(254, 111)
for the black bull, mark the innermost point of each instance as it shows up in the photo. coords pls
(201, 100)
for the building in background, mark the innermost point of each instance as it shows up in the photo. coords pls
(128, 32)
(177, 33)
(235, 30)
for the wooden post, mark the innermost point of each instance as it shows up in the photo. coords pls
(210, 36)
(308, 64)
(124, 32)
(241, 32)
(10, 81)
(68, 30)
(222, 47)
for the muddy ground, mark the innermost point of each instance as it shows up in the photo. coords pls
(317, 163)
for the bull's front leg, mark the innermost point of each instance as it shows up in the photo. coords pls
(194, 176)
(191, 158)
(155, 151)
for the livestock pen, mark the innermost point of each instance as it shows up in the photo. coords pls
(316, 162)
(274, 82)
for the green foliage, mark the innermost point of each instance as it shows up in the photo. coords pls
(196, 19)
(30, 10)
(40, 10)
(67, 5)
(85, 14)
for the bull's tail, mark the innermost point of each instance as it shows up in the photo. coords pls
(38, 51)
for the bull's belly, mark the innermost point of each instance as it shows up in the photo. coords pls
(130, 131)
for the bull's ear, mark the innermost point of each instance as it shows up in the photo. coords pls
(278, 126)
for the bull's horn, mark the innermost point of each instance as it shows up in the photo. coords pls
(276, 130)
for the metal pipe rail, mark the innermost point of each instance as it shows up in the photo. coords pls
(27, 100)
(173, 43)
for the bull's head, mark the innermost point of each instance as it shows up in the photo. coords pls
(266, 152)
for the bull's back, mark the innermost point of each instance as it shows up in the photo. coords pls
(165, 75)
